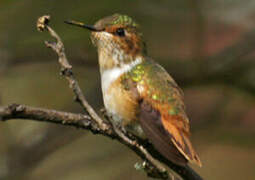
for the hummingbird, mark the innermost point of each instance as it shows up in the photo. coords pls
(139, 95)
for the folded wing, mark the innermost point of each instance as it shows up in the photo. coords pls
(162, 114)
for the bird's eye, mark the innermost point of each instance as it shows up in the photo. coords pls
(120, 32)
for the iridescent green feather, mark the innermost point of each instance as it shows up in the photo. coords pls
(124, 20)
(116, 19)
(161, 88)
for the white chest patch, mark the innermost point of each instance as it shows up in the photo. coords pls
(110, 75)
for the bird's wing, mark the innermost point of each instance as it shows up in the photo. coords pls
(162, 113)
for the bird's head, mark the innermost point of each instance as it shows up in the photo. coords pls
(118, 39)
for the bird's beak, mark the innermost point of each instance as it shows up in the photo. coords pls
(79, 24)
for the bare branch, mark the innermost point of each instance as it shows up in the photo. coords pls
(17, 111)
(150, 165)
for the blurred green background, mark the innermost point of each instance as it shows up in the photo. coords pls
(207, 46)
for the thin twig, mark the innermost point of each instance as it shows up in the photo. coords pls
(17, 111)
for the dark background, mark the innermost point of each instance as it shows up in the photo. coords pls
(207, 46)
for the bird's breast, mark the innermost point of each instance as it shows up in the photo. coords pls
(119, 103)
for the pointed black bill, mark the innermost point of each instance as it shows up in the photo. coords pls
(79, 24)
